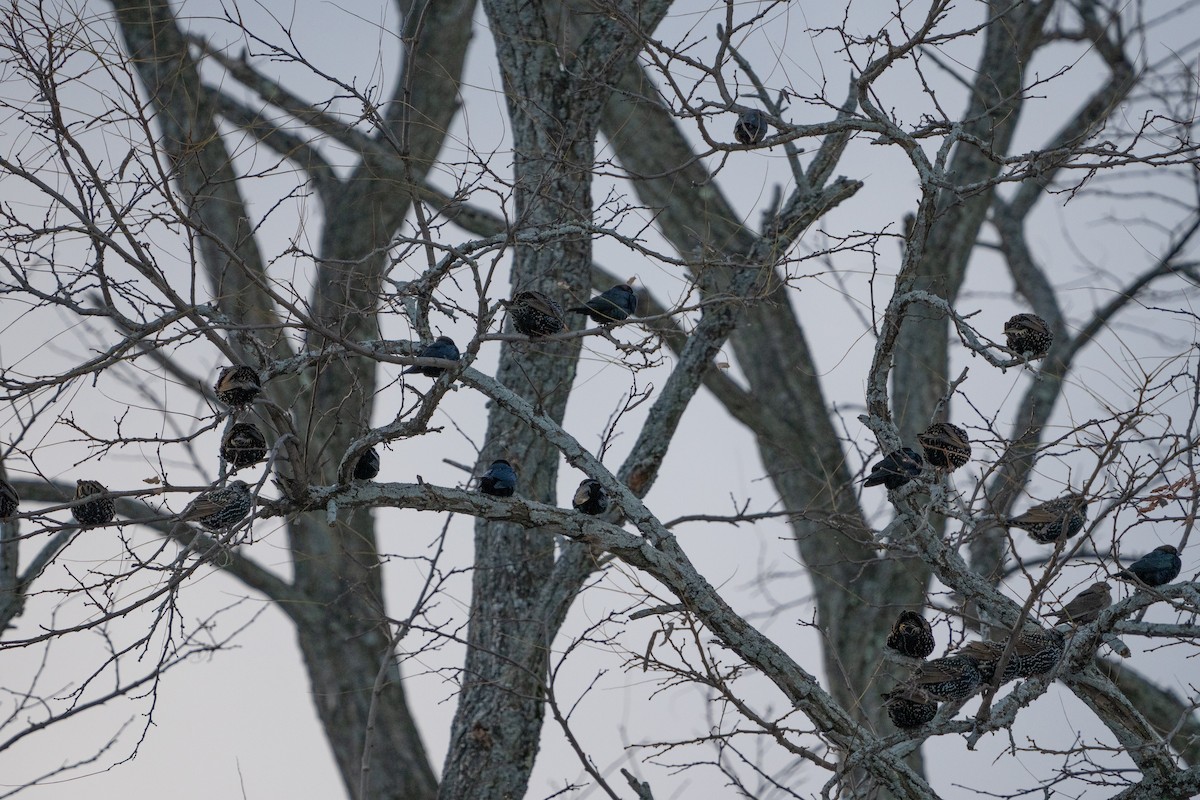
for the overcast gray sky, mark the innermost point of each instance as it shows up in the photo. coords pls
(242, 723)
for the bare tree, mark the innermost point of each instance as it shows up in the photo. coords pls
(148, 155)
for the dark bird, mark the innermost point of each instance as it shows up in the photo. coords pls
(751, 127)
(611, 305)
(950, 678)
(590, 497)
(911, 635)
(1037, 650)
(220, 508)
(909, 707)
(1087, 605)
(987, 657)
(500, 479)
(1157, 567)
(946, 445)
(92, 512)
(1028, 335)
(1046, 522)
(442, 347)
(9, 499)
(367, 466)
(895, 469)
(237, 386)
(243, 445)
(534, 314)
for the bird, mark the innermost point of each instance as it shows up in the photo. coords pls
(9, 499)
(986, 655)
(442, 347)
(534, 314)
(950, 678)
(92, 512)
(751, 127)
(500, 479)
(1159, 566)
(895, 469)
(946, 445)
(909, 707)
(1046, 522)
(1087, 605)
(367, 466)
(237, 386)
(911, 635)
(1037, 650)
(611, 305)
(1028, 335)
(220, 508)
(243, 445)
(590, 497)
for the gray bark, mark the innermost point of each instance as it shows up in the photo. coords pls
(342, 626)
(558, 97)
(553, 114)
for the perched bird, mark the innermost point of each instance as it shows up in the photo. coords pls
(243, 445)
(987, 657)
(751, 127)
(442, 347)
(1157, 567)
(9, 499)
(220, 508)
(611, 305)
(909, 707)
(1046, 522)
(1028, 335)
(895, 469)
(92, 512)
(534, 314)
(946, 445)
(950, 678)
(367, 466)
(1037, 650)
(500, 479)
(1087, 605)
(237, 386)
(590, 497)
(911, 635)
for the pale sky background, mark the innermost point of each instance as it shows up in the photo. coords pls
(242, 724)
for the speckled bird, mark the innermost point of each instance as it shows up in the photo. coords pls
(949, 678)
(611, 305)
(367, 466)
(442, 347)
(1087, 605)
(1028, 335)
(1159, 566)
(909, 707)
(895, 469)
(9, 499)
(946, 445)
(217, 509)
(911, 635)
(534, 314)
(987, 657)
(500, 479)
(1037, 650)
(237, 386)
(92, 512)
(244, 444)
(590, 497)
(751, 127)
(1046, 522)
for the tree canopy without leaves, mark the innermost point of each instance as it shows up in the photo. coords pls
(190, 187)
